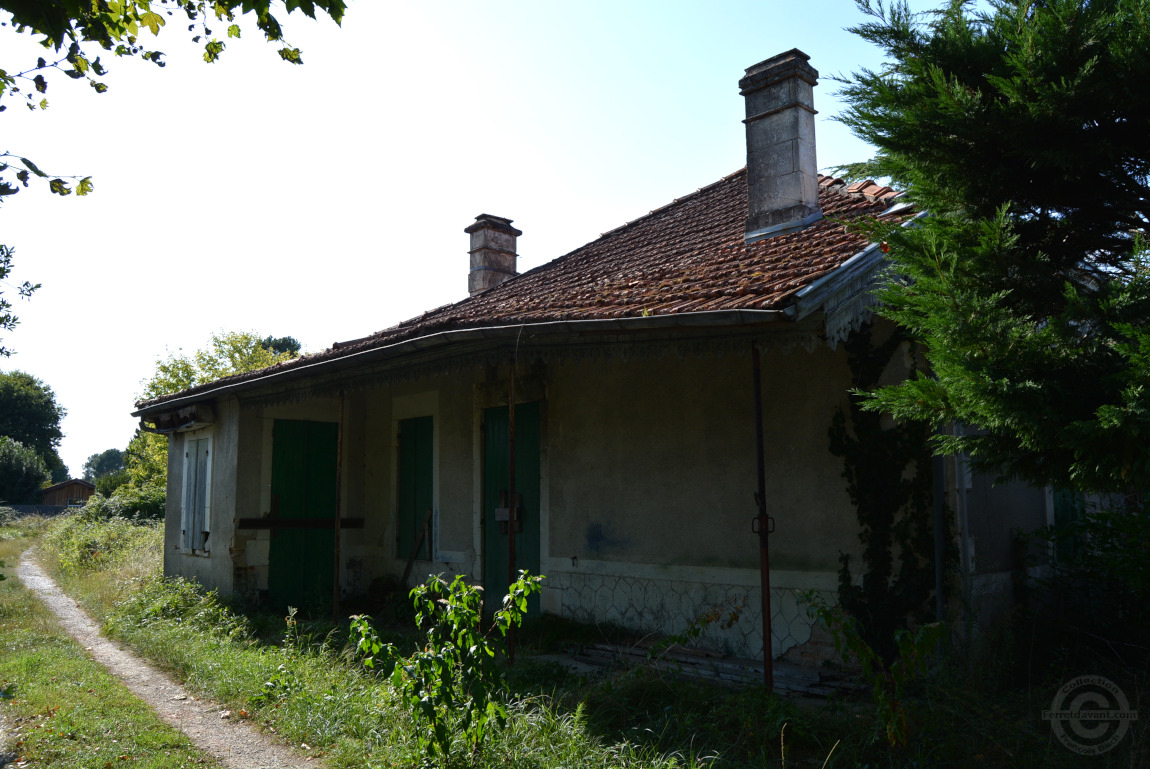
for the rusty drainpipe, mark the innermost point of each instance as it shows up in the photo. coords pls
(511, 522)
(763, 525)
(338, 489)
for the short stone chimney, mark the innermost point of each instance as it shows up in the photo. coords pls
(782, 175)
(492, 252)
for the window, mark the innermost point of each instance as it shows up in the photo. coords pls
(414, 493)
(195, 508)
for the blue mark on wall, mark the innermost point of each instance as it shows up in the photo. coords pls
(601, 539)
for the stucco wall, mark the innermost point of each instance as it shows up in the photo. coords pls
(214, 569)
(653, 461)
(648, 474)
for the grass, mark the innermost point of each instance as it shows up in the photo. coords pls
(300, 681)
(62, 708)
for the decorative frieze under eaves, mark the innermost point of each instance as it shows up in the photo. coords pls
(531, 351)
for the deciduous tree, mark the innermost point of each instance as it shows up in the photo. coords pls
(22, 473)
(76, 34)
(30, 415)
(227, 353)
(104, 463)
(1020, 129)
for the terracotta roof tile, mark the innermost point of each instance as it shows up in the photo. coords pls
(687, 256)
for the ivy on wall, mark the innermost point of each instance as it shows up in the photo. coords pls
(888, 470)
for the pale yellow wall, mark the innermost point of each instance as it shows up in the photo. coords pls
(653, 461)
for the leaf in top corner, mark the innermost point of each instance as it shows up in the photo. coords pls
(292, 55)
(98, 68)
(234, 30)
(32, 167)
(85, 186)
(152, 21)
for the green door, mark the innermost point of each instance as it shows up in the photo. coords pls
(301, 561)
(415, 486)
(495, 477)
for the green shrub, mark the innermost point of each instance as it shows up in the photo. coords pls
(452, 686)
(106, 485)
(22, 473)
(160, 599)
(85, 541)
(1101, 576)
(137, 503)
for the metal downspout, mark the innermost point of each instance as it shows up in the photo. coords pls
(962, 505)
(763, 524)
(511, 506)
(338, 509)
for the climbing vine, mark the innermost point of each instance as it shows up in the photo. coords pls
(887, 468)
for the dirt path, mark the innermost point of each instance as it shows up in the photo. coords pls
(232, 742)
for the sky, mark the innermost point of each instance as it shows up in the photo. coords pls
(328, 201)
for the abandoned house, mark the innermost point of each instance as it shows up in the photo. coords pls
(630, 363)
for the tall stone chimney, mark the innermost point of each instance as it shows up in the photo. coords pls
(492, 252)
(782, 175)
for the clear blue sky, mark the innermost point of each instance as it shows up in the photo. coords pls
(328, 201)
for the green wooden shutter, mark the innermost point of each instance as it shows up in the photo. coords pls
(193, 518)
(414, 493)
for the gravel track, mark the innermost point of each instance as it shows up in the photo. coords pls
(232, 742)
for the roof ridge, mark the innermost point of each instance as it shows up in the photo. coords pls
(868, 189)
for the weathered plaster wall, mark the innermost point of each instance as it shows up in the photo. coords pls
(643, 452)
(213, 570)
(652, 475)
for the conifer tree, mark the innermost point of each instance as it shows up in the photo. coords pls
(1021, 131)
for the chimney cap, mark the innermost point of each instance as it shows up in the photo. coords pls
(792, 63)
(491, 222)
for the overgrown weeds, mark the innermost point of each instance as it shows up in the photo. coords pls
(61, 707)
(300, 678)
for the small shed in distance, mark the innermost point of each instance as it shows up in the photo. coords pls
(72, 492)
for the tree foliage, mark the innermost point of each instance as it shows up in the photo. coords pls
(282, 344)
(76, 34)
(22, 473)
(104, 463)
(8, 321)
(1021, 130)
(30, 414)
(227, 353)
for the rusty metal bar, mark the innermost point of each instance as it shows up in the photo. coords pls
(338, 510)
(511, 506)
(763, 525)
(298, 524)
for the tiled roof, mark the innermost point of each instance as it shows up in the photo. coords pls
(688, 256)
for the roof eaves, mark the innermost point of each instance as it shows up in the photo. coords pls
(440, 339)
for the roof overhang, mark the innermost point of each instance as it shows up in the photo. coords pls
(445, 340)
(846, 294)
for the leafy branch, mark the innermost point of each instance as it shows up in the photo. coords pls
(8, 321)
(453, 683)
